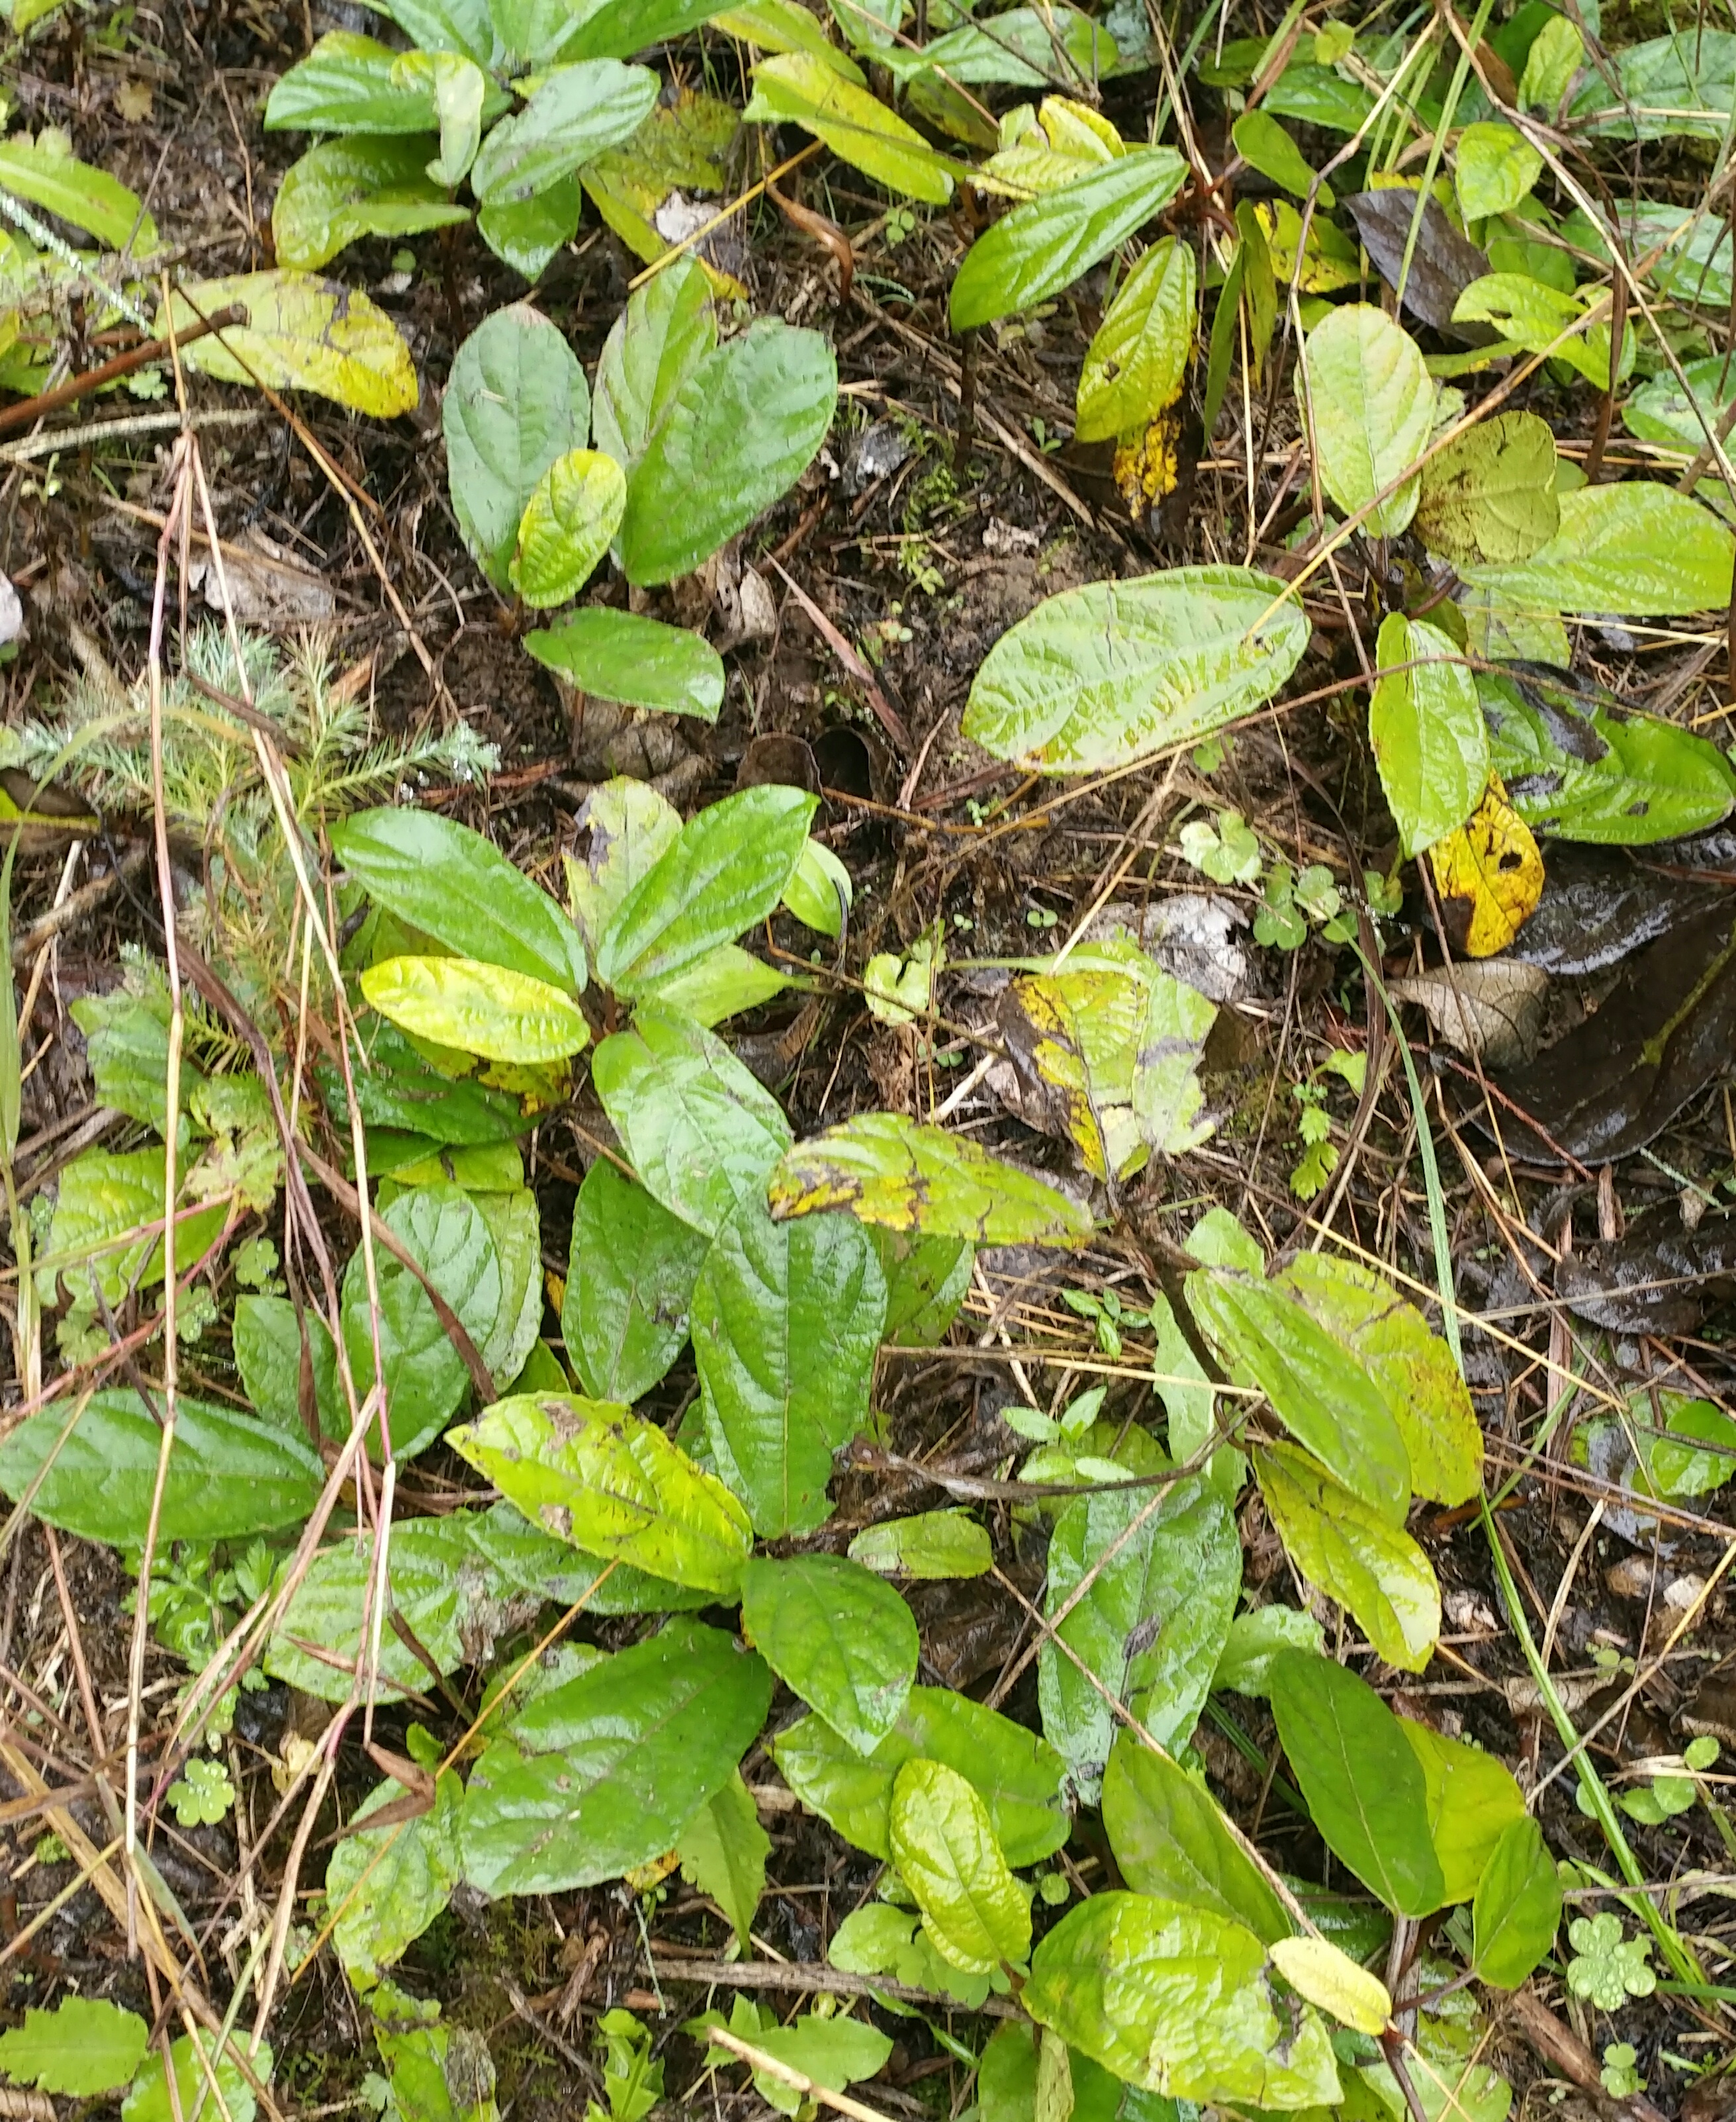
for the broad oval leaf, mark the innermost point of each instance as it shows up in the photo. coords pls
(906, 1176)
(1316, 1968)
(1491, 496)
(301, 333)
(1636, 547)
(943, 1843)
(566, 527)
(927, 1281)
(456, 886)
(266, 1338)
(437, 1586)
(575, 113)
(83, 2047)
(1683, 84)
(801, 89)
(1371, 402)
(607, 1771)
(837, 1635)
(1137, 362)
(1038, 249)
(591, 1472)
(1472, 1802)
(1495, 167)
(667, 328)
(641, 662)
(1170, 1838)
(1517, 1907)
(1176, 2000)
(619, 27)
(517, 400)
(527, 233)
(1426, 726)
(629, 1286)
(478, 1009)
(348, 84)
(1363, 1782)
(347, 188)
(933, 1543)
(1098, 677)
(384, 1886)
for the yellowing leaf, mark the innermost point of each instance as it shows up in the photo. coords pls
(1491, 496)
(1317, 262)
(1491, 872)
(1372, 404)
(1044, 148)
(800, 89)
(567, 526)
(301, 333)
(479, 1009)
(1147, 464)
(681, 144)
(1138, 361)
(1318, 1971)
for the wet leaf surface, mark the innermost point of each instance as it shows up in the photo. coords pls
(1659, 1279)
(1443, 264)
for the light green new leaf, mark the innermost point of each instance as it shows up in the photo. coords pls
(1136, 364)
(1096, 677)
(148, 2099)
(784, 26)
(83, 2047)
(1494, 169)
(591, 1473)
(1472, 1802)
(1491, 496)
(1255, 1640)
(1427, 727)
(1371, 403)
(897, 1172)
(346, 189)
(384, 1886)
(436, 1587)
(575, 113)
(1265, 146)
(89, 198)
(477, 1009)
(301, 333)
(641, 662)
(629, 1285)
(725, 982)
(667, 328)
(1353, 1554)
(820, 890)
(837, 1635)
(1636, 547)
(1176, 2000)
(348, 84)
(1363, 1783)
(1424, 1390)
(527, 233)
(932, 1544)
(1531, 314)
(1557, 51)
(515, 401)
(1170, 1838)
(1517, 1907)
(802, 89)
(567, 526)
(944, 1844)
(723, 1850)
(460, 91)
(1038, 249)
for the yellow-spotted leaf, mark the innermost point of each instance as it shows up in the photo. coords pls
(798, 88)
(1489, 875)
(1315, 260)
(1147, 463)
(1490, 496)
(479, 1009)
(1138, 361)
(1322, 1975)
(301, 333)
(568, 522)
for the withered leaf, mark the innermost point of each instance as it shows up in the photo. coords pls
(1443, 264)
(1657, 1279)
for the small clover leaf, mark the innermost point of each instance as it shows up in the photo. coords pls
(1621, 2078)
(1607, 1969)
(203, 1794)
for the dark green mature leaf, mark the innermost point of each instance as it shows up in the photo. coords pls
(386, 1885)
(629, 1285)
(641, 662)
(614, 1486)
(1098, 677)
(619, 27)
(610, 1769)
(787, 1318)
(905, 1176)
(1364, 1784)
(266, 1340)
(1680, 85)
(1019, 1777)
(837, 1635)
(228, 1475)
(438, 1584)
(1430, 743)
(83, 2047)
(1662, 410)
(699, 1130)
(400, 1089)
(1038, 249)
(735, 435)
(517, 399)
(346, 189)
(1517, 1907)
(1018, 48)
(927, 1281)
(728, 870)
(575, 113)
(528, 233)
(1635, 547)
(1170, 1838)
(463, 27)
(1149, 1628)
(348, 84)
(511, 1213)
(625, 826)
(933, 1545)
(944, 1844)
(1177, 2000)
(1318, 1388)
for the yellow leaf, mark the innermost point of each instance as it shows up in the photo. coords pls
(1318, 263)
(1324, 1975)
(1492, 873)
(1148, 462)
(503, 1016)
(301, 333)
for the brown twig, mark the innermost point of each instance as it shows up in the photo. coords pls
(75, 387)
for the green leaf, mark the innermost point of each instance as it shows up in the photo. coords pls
(880, 1939)
(527, 233)
(1354, 1554)
(1494, 169)
(511, 1213)
(784, 26)
(532, 1561)
(1006, 2073)
(1426, 726)
(461, 95)
(727, 981)
(1019, 1777)
(1264, 145)
(228, 1475)
(629, 1286)
(103, 1197)
(301, 333)
(1364, 1784)
(591, 1473)
(345, 189)
(202, 1794)
(898, 1173)
(477, 1009)
(629, 827)
(1634, 548)
(641, 662)
(82, 2047)
(1320, 1971)
(735, 435)
(667, 328)
(1472, 1802)
(1038, 249)
(1491, 496)
(838, 1636)
(803, 89)
(1138, 361)
(1672, 1464)
(1023, 48)
(700, 1131)
(1663, 410)
(619, 27)
(1150, 1627)
(1681, 85)
(1176, 2000)
(1096, 678)
(787, 1320)
(348, 84)
(820, 890)
(927, 1281)
(932, 1544)
(1371, 401)
(1318, 1388)
(610, 1769)
(833, 2052)
(266, 1341)
(436, 1587)
(89, 199)
(1170, 1838)
(1414, 1369)
(515, 401)
(566, 527)
(723, 1850)
(384, 1886)
(944, 1844)
(575, 113)
(148, 2099)
(727, 871)
(1529, 313)
(1255, 1640)
(1517, 1907)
